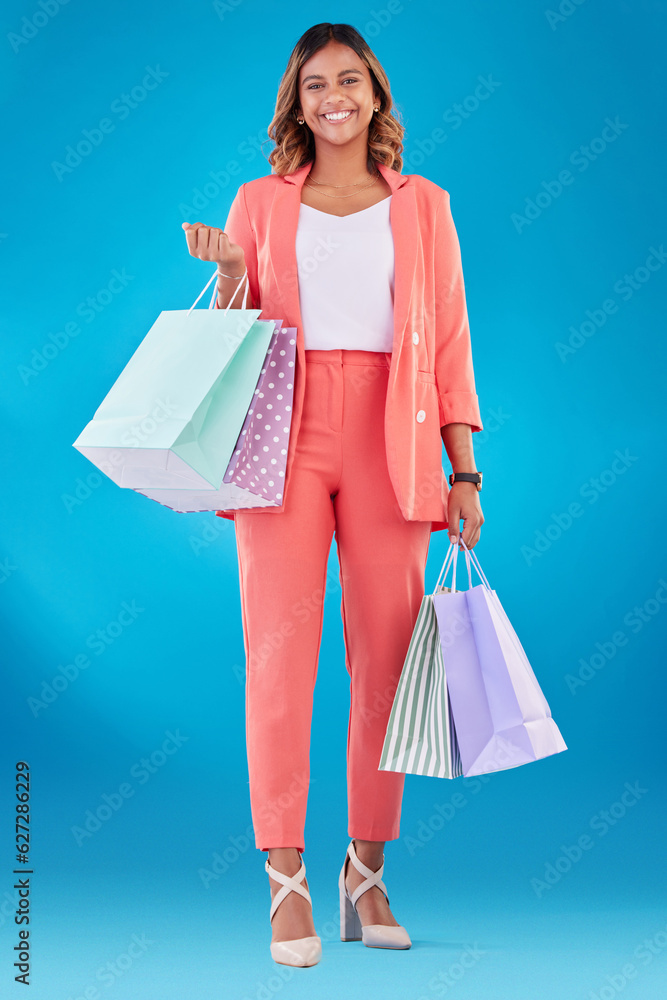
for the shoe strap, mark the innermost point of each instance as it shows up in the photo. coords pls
(289, 884)
(372, 878)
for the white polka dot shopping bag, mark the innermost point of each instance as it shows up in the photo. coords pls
(200, 416)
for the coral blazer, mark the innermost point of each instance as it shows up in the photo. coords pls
(431, 380)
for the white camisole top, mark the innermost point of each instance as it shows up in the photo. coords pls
(346, 278)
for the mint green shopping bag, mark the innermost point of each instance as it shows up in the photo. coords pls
(173, 416)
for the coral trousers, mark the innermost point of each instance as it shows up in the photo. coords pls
(339, 483)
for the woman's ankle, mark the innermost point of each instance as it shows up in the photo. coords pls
(369, 852)
(285, 859)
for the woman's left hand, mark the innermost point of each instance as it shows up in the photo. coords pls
(463, 502)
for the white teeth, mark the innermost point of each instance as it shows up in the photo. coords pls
(337, 116)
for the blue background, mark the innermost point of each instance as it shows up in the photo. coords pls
(74, 548)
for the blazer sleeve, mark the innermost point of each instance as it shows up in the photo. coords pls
(454, 374)
(238, 228)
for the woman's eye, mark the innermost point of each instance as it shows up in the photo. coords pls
(350, 79)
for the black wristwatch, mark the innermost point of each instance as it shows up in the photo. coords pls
(466, 477)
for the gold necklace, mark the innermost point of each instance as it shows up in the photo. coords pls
(324, 183)
(374, 181)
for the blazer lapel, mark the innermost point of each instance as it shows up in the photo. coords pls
(283, 222)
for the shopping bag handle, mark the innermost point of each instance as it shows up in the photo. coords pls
(451, 557)
(471, 555)
(215, 292)
(451, 554)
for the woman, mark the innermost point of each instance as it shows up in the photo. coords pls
(365, 263)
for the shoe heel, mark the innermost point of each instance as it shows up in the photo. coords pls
(350, 924)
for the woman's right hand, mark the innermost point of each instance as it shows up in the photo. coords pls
(209, 243)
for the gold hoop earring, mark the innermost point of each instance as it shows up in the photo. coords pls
(300, 121)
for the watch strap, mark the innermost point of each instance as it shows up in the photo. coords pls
(466, 477)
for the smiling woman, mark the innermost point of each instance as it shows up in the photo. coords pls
(364, 263)
(338, 107)
(334, 77)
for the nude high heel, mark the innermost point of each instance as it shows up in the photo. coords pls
(303, 951)
(351, 929)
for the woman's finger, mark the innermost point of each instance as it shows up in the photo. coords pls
(454, 519)
(191, 237)
(472, 529)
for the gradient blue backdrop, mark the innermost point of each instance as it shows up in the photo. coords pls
(498, 902)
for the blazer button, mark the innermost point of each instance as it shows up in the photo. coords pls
(421, 416)
(415, 337)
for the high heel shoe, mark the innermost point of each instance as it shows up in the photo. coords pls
(303, 951)
(351, 929)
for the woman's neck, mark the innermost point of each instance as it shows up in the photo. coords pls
(337, 166)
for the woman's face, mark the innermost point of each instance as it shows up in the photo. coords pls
(336, 81)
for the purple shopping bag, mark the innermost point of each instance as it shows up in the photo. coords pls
(501, 716)
(259, 459)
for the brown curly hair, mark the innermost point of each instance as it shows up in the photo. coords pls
(294, 144)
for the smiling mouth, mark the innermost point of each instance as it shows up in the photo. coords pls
(338, 116)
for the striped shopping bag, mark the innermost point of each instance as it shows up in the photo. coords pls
(421, 736)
